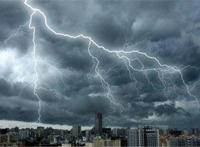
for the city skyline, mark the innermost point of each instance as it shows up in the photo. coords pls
(134, 62)
(98, 136)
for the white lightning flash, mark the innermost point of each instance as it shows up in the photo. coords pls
(121, 54)
(35, 68)
(105, 84)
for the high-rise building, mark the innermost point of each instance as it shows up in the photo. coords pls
(143, 136)
(133, 137)
(98, 123)
(76, 130)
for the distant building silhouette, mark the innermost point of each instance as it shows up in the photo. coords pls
(98, 123)
(76, 130)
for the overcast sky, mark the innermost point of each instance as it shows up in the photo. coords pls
(71, 91)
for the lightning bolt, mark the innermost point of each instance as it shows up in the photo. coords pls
(35, 67)
(123, 55)
(105, 84)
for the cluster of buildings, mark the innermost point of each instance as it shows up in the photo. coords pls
(99, 136)
(181, 138)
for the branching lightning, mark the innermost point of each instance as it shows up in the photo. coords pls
(105, 84)
(122, 55)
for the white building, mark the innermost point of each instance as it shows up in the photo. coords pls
(143, 136)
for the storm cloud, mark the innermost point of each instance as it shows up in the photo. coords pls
(68, 84)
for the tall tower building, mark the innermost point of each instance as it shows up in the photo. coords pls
(98, 123)
(76, 130)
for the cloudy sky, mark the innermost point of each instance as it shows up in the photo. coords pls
(156, 83)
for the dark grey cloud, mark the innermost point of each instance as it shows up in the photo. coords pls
(12, 19)
(70, 90)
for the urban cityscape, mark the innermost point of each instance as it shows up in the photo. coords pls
(99, 136)
(100, 73)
